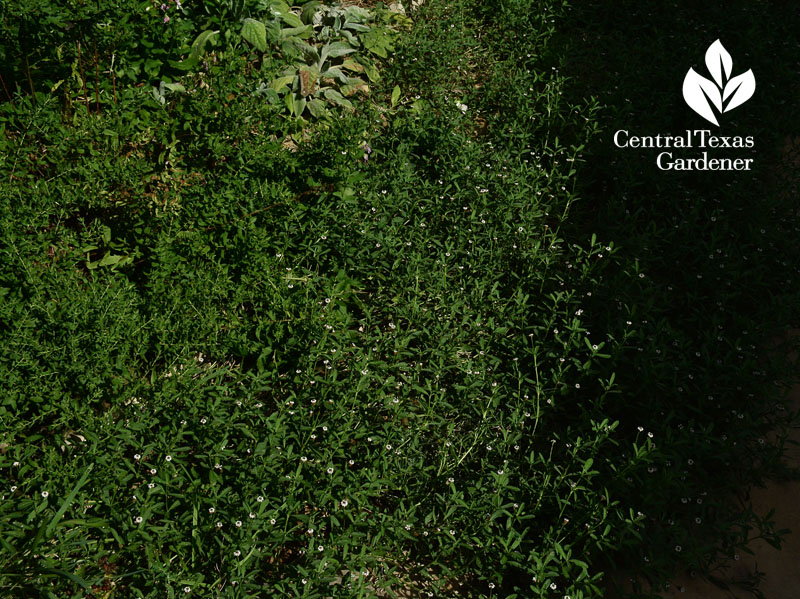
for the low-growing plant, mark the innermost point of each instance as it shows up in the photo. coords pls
(400, 355)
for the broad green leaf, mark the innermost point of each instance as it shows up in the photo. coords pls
(256, 33)
(317, 108)
(353, 85)
(337, 49)
(336, 73)
(299, 105)
(279, 6)
(184, 65)
(303, 32)
(395, 95)
(309, 10)
(350, 37)
(337, 98)
(110, 259)
(281, 83)
(282, 11)
(356, 13)
(372, 72)
(357, 27)
(174, 87)
(200, 42)
(352, 65)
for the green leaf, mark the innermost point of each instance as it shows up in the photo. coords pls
(284, 13)
(317, 108)
(309, 10)
(200, 42)
(336, 73)
(77, 580)
(357, 27)
(372, 72)
(337, 98)
(337, 49)
(352, 65)
(303, 32)
(110, 259)
(356, 13)
(299, 105)
(395, 95)
(256, 33)
(175, 87)
(68, 500)
(282, 82)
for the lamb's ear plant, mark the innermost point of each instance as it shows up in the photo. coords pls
(328, 50)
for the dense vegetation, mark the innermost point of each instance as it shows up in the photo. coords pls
(337, 301)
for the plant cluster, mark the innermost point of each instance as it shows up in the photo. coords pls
(387, 351)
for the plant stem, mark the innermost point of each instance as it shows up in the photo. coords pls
(83, 78)
(113, 79)
(30, 81)
(8, 95)
(96, 79)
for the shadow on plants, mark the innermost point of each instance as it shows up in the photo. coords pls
(708, 273)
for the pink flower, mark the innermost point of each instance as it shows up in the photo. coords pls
(166, 18)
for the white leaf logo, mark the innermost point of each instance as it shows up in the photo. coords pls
(703, 95)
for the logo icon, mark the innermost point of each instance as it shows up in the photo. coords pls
(723, 93)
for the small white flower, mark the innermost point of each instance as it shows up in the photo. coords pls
(211, 510)
(187, 590)
(219, 524)
(238, 524)
(329, 470)
(45, 494)
(237, 553)
(168, 458)
(137, 457)
(138, 519)
(272, 521)
(320, 548)
(153, 471)
(260, 499)
(343, 503)
(303, 459)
